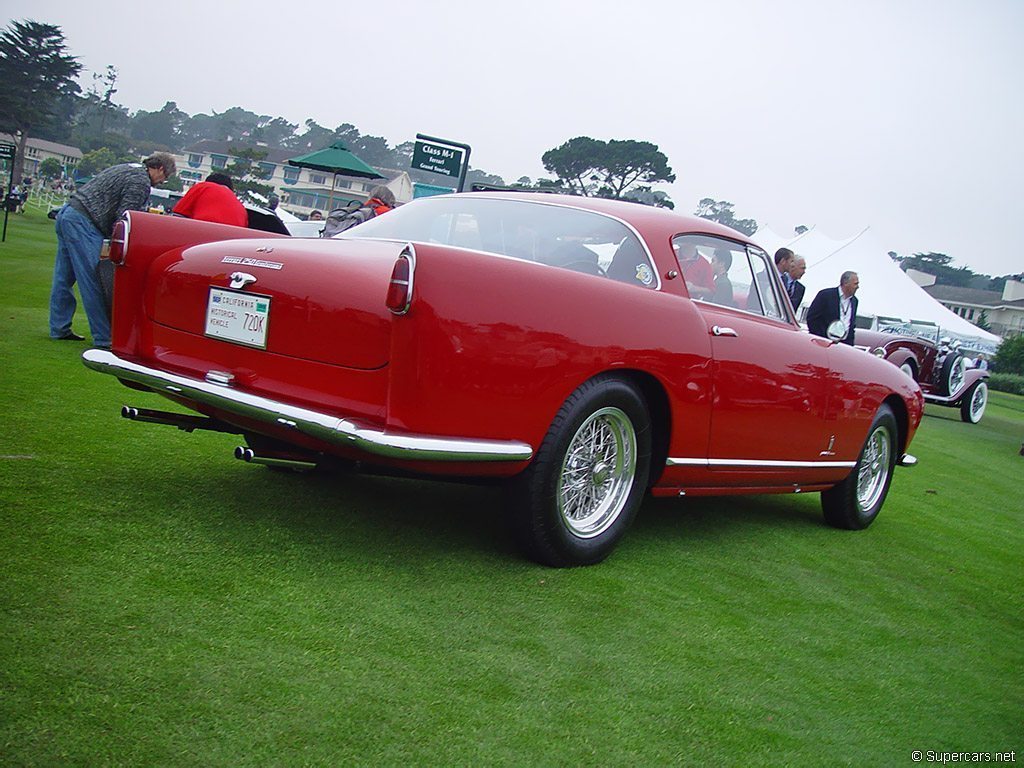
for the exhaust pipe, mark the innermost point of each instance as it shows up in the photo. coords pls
(247, 454)
(182, 421)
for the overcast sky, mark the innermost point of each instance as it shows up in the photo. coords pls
(904, 115)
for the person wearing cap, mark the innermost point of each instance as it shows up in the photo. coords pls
(82, 225)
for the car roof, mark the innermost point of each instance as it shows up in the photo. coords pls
(644, 217)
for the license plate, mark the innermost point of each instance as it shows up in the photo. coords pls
(238, 317)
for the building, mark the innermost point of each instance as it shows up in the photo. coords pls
(1004, 312)
(37, 150)
(301, 190)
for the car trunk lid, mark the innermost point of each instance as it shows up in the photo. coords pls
(318, 300)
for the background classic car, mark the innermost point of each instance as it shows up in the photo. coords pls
(938, 366)
(549, 342)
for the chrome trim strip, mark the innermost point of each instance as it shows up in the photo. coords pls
(321, 426)
(758, 463)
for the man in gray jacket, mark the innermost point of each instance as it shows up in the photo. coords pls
(82, 225)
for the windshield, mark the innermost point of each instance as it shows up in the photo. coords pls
(555, 235)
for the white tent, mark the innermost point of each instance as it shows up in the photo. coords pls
(885, 289)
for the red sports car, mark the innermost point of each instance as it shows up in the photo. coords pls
(584, 351)
(938, 366)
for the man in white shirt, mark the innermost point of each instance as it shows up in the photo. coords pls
(833, 304)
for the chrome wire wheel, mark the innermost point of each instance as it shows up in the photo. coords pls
(874, 468)
(597, 473)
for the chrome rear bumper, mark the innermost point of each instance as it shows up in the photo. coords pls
(321, 426)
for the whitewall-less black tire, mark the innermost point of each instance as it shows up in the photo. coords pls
(582, 489)
(854, 503)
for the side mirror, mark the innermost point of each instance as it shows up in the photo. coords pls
(836, 330)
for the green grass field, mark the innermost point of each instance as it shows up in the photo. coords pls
(166, 605)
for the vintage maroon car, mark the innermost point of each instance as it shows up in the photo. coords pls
(938, 366)
(550, 342)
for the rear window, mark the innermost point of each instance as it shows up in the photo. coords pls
(555, 235)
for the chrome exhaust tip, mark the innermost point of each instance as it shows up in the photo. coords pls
(247, 454)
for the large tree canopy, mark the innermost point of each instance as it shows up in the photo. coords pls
(36, 72)
(607, 168)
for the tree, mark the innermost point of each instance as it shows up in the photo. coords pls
(51, 168)
(36, 73)
(162, 128)
(607, 168)
(245, 171)
(98, 159)
(940, 265)
(1010, 356)
(647, 196)
(721, 211)
(982, 321)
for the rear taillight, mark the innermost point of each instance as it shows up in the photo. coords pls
(118, 242)
(400, 288)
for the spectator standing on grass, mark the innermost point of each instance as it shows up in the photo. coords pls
(82, 225)
(213, 200)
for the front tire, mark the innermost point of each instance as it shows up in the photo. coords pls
(854, 503)
(972, 406)
(582, 490)
(951, 376)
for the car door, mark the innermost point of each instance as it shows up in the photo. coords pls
(769, 378)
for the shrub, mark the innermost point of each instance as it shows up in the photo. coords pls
(1007, 382)
(1010, 356)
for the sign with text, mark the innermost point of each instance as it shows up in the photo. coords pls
(437, 158)
(7, 151)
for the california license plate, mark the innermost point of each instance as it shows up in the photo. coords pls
(238, 317)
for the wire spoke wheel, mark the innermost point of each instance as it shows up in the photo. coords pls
(874, 468)
(973, 406)
(855, 502)
(597, 472)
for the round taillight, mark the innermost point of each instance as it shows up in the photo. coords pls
(118, 242)
(400, 288)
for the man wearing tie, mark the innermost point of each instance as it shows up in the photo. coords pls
(796, 289)
(833, 304)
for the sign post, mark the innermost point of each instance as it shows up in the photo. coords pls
(448, 158)
(8, 153)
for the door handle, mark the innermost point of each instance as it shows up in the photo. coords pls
(721, 330)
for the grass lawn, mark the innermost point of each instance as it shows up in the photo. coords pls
(164, 604)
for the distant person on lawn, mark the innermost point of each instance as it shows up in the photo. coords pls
(82, 225)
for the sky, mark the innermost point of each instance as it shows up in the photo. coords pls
(905, 116)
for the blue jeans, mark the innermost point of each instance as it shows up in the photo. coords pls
(78, 253)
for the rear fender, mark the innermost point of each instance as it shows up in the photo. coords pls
(150, 235)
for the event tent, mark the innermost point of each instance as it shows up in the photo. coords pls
(886, 291)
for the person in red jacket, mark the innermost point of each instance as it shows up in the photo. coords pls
(213, 200)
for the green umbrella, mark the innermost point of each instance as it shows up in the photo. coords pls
(335, 159)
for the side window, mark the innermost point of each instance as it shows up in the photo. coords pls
(762, 297)
(728, 274)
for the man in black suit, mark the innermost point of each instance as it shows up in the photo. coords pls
(833, 304)
(796, 288)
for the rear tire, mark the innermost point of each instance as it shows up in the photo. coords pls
(583, 488)
(854, 503)
(972, 406)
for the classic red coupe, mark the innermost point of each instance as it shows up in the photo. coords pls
(938, 366)
(584, 351)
